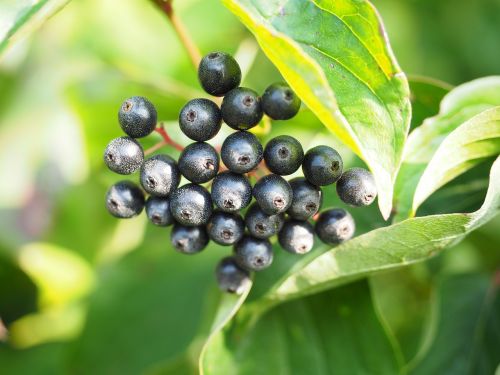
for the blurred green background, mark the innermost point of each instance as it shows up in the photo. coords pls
(83, 293)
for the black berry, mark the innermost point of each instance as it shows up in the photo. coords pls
(199, 162)
(158, 211)
(253, 254)
(124, 200)
(296, 237)
(191, 205)
(231, 192)
(322, 165)
(137, 117)
(160, 175)
(280, 102)
(273, 194)
(188, 240)
(241, 108)
(306, 200)
(231, 277)
(124, 155)
(283, 155)
(200, 119)
(225, 228)
(357, 187)
(261, 225)
(219, 73)
(335, 226)
(241, 152)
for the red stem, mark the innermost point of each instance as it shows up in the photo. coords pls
(168, 141)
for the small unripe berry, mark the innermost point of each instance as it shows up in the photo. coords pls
(261, 225)
(191, 205)
(296, 237)
(335, 226)
(357, 187)
(158, 211)
(225, 228)
(124, 155)
(199, 162)
(273, 194)
(241, 152)
(253, 254)
(188, 240)
(160, 175)
(137, 117)
(231, 192)
(283, 155)
(322, 165)
(241, 108)
(124, 200)
(306, 200)
(200, 119)
(231, 277)
(280, 102)
(219, 73)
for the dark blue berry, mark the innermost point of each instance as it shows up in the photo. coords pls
(283, 155)
(160, 175)
(231, 277)
(124, 200)
(241, 152)
(199, 162)
(273, 194)
(241, 108)
(137, 117)
(261, 225)
(322, 165)
(254, 254)
(231, 192)
(191, 205)
(306, 200)
(225, 228)
(219, 73)
(124, 155)
(188, 240)
(280, 102)
(335, 226)
(200, 119)
(296, 237)
(357, 187)
(158, 211)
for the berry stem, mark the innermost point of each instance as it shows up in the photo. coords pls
(167, 141)
(181, 31)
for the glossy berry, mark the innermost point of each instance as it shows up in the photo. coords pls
(322, 165)
(241, 152)
(124, 200)
(296, 237)
(231, 277)
(261, 225)
(158, 211)
(280, 102)
(219, 73)
(357, 187)
(160, 175)
(191, 205)
(335, 226)
(225, 228)
(200, 119)
(199, 162)
(124, 155)
(273, 194)
(241, 108)
(188, 240)
(137, 117)
(306, 200)
(231, 192)
(254, 254)
(283, 155)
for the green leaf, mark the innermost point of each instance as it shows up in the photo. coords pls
(459, 106)
(468, 342)
(21, 17)
(336, 332)
(336, 56)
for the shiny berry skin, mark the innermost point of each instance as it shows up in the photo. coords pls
(232, 278)
(307, 199)
(335, 226)
(231, 192)
(357, 187)
(160, 175)
(225, 228)
(296, 237)
(261, 225)
(241, 108)
(191, 205)
(188, 240)
(241, 152)
(254, 254)
(322, 165)
(280, 102)
(283, 155)
(158, 211)
(200, 119)
(273, 194)
(219, 73)
(199, 162)
(124, 200)
(124, 155)
(137, 117)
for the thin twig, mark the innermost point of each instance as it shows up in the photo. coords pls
(167, 141)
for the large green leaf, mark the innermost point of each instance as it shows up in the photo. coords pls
(458, 107)
(336, 56)
(21, 17)
(337, 332)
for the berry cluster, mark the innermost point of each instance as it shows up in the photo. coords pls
(281, 207)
